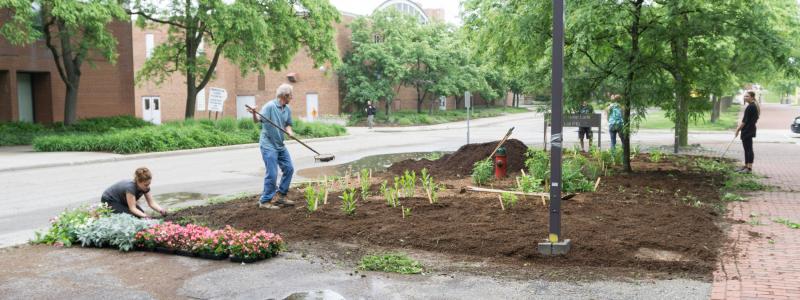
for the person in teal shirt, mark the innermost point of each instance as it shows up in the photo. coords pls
(273, 151)
(614, 113)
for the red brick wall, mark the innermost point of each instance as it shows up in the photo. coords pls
(228, 76)
(104, 90)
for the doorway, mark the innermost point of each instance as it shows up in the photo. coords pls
(241, 110)
(24, 98)
(151, 109)
(312, 106)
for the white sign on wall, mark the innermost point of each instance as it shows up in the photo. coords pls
(216, 99)
(467, 99)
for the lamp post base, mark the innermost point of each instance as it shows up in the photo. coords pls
(552, 249)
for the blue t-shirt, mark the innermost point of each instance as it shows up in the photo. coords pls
(271, 137)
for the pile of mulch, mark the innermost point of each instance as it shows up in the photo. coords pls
(459, 164)
(629, 218)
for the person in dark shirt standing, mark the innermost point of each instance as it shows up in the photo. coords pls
(370, 114)
(585, 109)
(122, 196)
(748, 130)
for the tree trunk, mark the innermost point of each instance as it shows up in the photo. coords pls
(715, 108)
(71, 102)
(680, 48)
(387, 107)
(625, 136)
(419, 100)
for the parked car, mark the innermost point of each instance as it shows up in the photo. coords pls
(796, 125)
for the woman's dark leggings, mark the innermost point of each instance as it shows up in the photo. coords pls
(747, 143)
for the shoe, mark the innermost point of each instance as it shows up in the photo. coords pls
(743, 170)
(268, 205)
(284, 202)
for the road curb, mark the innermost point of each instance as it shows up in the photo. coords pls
(155, 155)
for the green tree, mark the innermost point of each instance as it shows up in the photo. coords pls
(374, 66)
(248, 33)
(73, 31)
(704, 40)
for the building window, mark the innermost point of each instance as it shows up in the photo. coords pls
(149, 44)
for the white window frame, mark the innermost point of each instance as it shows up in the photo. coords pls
(149, 44)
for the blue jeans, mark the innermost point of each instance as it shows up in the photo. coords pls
(272, 160)
(613, 134)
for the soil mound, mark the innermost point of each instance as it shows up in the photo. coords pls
(460, 163)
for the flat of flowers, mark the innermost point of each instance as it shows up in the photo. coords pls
(645, 211)
(459, 164)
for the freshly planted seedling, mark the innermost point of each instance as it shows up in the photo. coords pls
(390, 194)
(656, 156)
(731, 197)
(406, 211)
(529, 184)
(312, 200)
(431, 188)
(364, 178)
(482, 171)
(509, 199)
(348, 201)
(409, 183)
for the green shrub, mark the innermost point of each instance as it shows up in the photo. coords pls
(227, 124)
(509, 199)
(394, 263)
(404, 122)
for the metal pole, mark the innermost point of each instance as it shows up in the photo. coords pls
(556, 123)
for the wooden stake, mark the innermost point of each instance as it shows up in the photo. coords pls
(544, 202)
(479, 189)
(370, 175)
(500, 197)
(518, 185)
(597, 183)
(430, 199)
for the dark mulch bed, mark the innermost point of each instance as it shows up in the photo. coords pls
(629, 218)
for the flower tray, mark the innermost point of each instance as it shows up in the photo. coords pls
(248, 260)
(164, 250)
(184, 253)
(212, 256)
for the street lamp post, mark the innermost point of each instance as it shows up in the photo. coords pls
(554, 245)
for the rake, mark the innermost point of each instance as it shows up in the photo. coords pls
(318, 157)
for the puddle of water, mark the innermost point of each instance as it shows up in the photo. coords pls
(375, 162)
(182, 199)
(658, 255)
(316, 295)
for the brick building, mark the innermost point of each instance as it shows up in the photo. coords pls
(31, 90)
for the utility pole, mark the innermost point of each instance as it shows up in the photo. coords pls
(554, 245)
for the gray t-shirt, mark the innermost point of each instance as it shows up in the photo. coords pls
(116, 193)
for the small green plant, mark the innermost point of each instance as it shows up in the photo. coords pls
(529, 184)
(349, 201)
(312, 200)
(117, 230)
(743, 182)
(406, 211)
(482, 171)
(390, 194)
(754, 220)
(391, 262)
(409, 183)
(64, 228)
(431, 188)
(712, 166)
(732, 197)
(509, 199)
(656, 156)
(788, 223)
(364, 178)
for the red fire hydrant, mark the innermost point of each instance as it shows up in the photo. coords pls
(500, 163)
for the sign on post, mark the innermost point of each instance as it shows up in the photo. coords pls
(216, 99)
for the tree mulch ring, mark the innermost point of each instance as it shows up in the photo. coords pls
(663, 218)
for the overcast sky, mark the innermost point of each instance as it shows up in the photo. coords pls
(365, 7)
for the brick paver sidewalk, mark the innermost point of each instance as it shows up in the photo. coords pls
(763, 259)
